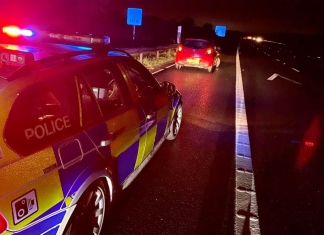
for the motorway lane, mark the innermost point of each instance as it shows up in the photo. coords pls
(286, 133)
(187, 188)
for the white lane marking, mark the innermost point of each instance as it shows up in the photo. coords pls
(274, 42)
(246, 207)
(272, 77)
(277, 60)
(158, 71)
(163, 69)
(296, 70)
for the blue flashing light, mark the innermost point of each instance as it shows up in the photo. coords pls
(84, 48)
(26, 32)
(79, 48)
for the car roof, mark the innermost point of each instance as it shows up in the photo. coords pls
(43, 50)
(45, 53)
(196, 39)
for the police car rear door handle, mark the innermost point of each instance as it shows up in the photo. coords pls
(150, 114)
(109, 138)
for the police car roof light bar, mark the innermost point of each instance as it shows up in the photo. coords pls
(83, 39)
(14, 31)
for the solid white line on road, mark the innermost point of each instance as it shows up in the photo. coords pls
(296, 70)
(158, 71)
(246, 208)
(274, 42)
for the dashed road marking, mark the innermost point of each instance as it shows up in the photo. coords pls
(246, 208)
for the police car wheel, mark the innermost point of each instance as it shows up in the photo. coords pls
(90, 212)
(176, 122)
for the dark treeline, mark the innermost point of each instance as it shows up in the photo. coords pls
(154, 31)
(103, 19)
(109, 17)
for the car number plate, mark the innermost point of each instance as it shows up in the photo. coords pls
(193, 60)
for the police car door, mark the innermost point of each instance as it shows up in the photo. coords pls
(155, 105)
(117, 136)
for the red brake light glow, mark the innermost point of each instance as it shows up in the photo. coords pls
(14, 31)
(209, 51)
(180, 48)
(3, 223)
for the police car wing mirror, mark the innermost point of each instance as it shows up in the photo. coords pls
(168, 88)
(146, 92)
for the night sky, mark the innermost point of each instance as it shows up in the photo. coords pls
(303, 16)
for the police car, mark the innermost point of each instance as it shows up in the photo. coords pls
(77, 124)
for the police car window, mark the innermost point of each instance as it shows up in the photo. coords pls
(43, 114)
(140, 79)
(90, 110)
(106, 89)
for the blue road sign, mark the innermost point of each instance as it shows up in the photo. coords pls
(220, 31)
(134, 16)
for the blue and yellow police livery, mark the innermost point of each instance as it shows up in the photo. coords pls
(76, 125)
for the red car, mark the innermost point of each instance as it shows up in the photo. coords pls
(197, 53)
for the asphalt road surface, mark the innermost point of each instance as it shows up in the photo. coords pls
(189, 185)
(187, 188)
(285, 119)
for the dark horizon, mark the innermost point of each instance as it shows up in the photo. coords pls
(284, 16)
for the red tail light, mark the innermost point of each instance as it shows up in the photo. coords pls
(209, 51)
(3, 224)
(179, 48)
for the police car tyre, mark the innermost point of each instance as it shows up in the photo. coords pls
(90, 211)
(176, 123)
